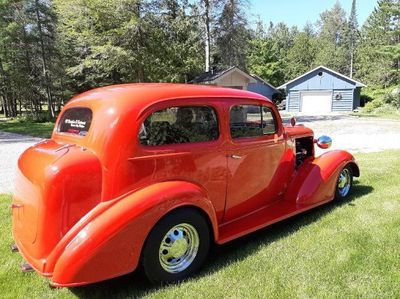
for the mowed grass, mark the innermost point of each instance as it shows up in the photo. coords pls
(26, 127)
(349, 249)
(394, 115)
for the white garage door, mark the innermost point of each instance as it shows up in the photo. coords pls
(316, 102)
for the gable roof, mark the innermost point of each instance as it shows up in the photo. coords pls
(211, 76)
(357, 83)
(264, 82)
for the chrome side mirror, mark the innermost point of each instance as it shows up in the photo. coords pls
(324, 142)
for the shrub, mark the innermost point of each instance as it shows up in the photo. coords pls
(364, 99)
(372, 105)
(392, 99)
(385, 109)
(39, 117)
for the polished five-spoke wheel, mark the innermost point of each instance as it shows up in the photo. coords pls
(344, 184)
(177, 246)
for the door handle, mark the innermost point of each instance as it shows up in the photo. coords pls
(236, 157)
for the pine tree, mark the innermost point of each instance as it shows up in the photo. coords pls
(378, 54)
(301, 57)
(333, 48)
(353, 34)
(232, 35)
(263, 62)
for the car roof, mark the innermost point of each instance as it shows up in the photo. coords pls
(145, 94)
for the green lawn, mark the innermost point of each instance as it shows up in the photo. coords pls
(348, 249)
(394, 116)
(27, 127)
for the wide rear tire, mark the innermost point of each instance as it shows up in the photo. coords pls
(176, 247)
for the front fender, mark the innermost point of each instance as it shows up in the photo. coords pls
(110, 245)
(315, 180)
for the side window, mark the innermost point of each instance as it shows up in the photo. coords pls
(180, 125)
(268, 121)
(245, 121)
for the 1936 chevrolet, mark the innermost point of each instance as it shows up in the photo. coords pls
(150, 174)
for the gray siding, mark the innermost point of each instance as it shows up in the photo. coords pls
(262, 89)
(342, 105)
(328, 81)
(345, 103)
(293, 101)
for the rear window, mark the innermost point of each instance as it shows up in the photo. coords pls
(76, 121)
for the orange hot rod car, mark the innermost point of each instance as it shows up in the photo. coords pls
(149, 175)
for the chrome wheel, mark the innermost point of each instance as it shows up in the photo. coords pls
(179, 248)
(344, 182)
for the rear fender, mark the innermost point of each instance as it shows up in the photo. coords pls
(315, 180)
(111, 244)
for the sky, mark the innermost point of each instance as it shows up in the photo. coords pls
(298, 12)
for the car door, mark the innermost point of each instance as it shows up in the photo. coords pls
(255, 153)
(182, 140)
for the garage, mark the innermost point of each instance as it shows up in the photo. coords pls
(316, 102)
(322, 91)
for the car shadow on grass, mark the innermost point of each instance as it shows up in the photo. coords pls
(135, 285)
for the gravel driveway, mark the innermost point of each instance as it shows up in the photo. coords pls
(350, 133)
(11, 146)
(355, 134)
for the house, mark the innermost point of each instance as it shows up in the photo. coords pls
(322, 90)
(262, 87)
(234, 77)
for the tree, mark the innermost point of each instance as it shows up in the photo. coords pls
(352, 34)
(301, 57)
(333, 48)
(282, 38)
(232, 35)
(378, 54)
(42, 10)
(25, 41)
(263, 62)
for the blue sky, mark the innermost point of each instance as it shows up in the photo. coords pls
(298, 12)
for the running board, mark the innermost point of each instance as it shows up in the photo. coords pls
(262, 218)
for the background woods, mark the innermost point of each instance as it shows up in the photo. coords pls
(51, 50)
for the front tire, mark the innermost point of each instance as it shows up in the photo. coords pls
(344, 183)
(176, 247)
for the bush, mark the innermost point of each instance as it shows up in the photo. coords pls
(364, 99)
(371, 106)
(39, 117)
(392, 99)
(385, 109)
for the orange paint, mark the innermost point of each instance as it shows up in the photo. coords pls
(84, 205)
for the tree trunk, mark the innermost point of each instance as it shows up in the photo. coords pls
(32, 98)
(3, 90)
(207, 32)
(45, 69)
(351, 63)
